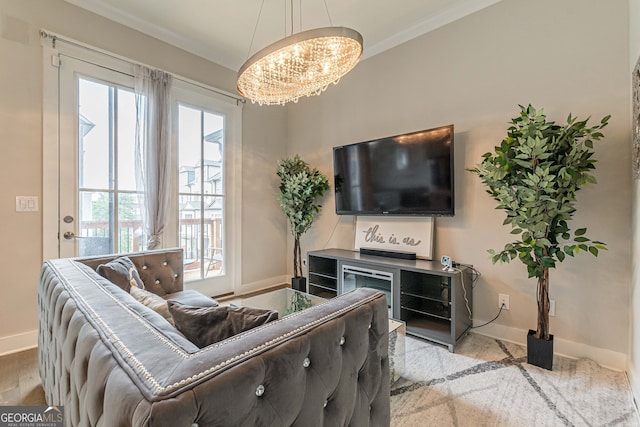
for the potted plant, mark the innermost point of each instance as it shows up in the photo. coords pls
(534, 175)
(300, 186)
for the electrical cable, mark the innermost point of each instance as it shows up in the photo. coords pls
(464, 291)
(475, 274)
(466, 300)
(332, 232)
(485, 324)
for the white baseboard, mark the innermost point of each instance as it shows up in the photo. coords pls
(262, 284)
(574, 350)
(17, 343)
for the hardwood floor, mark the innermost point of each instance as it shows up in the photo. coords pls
(19, 379)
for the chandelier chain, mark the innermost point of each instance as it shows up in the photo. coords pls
(255, 29)
(328, 14)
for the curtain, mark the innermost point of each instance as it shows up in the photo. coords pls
(153, 151)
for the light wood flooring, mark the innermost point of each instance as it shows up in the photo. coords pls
(19, 379)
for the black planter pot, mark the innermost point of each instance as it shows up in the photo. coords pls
(539, 351)
(299, 283)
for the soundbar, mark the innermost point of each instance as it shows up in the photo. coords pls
(388, 254)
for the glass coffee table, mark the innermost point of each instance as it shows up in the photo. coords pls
(287, 301)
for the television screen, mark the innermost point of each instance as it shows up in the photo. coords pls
(409, 174)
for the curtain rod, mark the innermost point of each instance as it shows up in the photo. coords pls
(44, 34)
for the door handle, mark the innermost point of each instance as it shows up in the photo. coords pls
(71, 235)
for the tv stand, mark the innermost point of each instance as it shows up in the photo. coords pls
(431, 301)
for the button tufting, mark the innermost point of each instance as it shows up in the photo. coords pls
(342, 340)
(325, 403)
(144, 267)
(165, 263)
(175, 275)
(306, 362)
(260, 390)
(157, 282)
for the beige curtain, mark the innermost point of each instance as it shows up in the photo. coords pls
(153, 151)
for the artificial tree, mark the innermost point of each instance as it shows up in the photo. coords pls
(534, 175)
(300, 186)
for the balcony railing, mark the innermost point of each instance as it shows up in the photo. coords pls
(201, 240)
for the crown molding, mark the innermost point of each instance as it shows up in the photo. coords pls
(200, 49)
(458, 10)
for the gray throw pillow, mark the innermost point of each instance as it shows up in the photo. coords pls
(205, 326)
(191, 298)
(153, 301)
(122, 272)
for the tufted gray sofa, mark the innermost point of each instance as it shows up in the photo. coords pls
(111, 362)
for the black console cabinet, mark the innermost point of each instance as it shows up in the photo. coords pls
(435, 304)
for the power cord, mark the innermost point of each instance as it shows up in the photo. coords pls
(476, 276)
(332, 231)
(485, 324)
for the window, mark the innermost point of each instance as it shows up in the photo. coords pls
(90, 200)
(201, 191)
(109, 219)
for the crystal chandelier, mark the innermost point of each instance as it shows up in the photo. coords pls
(303, 64)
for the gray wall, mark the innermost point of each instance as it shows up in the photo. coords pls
(566, 56)
(263, 227)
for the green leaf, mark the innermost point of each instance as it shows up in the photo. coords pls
(547, 262)
(534, 174)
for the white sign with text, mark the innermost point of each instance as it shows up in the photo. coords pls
(403, 234)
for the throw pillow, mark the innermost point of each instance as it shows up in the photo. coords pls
(153, 301)
(192, 298)
(122, 272)
(205, 326)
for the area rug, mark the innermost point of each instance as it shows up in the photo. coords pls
(487, 382)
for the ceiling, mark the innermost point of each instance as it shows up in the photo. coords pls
(222, 30)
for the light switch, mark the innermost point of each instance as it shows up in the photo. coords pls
(26, 203)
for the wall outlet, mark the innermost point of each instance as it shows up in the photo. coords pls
(503, 299)
(552, 307)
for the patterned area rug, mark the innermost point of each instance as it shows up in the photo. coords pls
(487, 382)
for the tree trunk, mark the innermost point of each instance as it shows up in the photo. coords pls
(297, 259)
(543, 306)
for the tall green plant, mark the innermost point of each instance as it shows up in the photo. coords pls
(300, 186)
(534, 175)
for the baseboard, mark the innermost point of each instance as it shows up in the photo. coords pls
(574, 350)
(17, 343)
(259, 285)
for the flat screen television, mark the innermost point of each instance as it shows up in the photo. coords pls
(410, 174)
